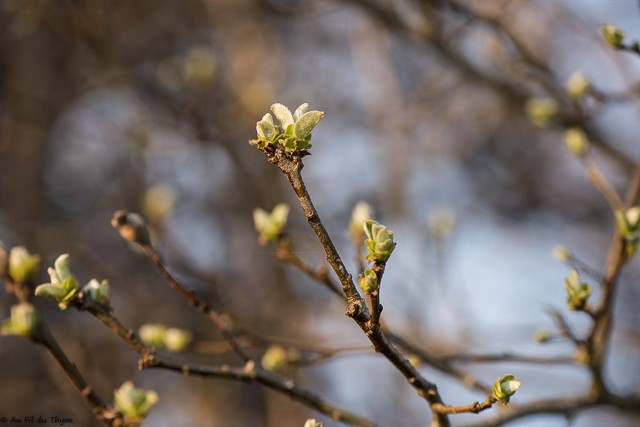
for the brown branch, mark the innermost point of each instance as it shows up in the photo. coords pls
(474, 408)
(284, 253)
(291, 166)
(253, 373)
(603, 322)
(100, 409)
(436, 362)
(132, 227)
(509, 357)
(601, 182)
(198, 303)
(376, 306)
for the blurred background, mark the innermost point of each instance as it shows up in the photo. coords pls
(148, 106)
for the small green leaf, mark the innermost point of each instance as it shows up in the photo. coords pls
(22, 265)
(505, 387)
(307, 122)
(266, 131)
(283, 115)
(577, 292)
(50, 291)
(541, 110)
(303, 108)
(23, 321)
(369, 281)
(133, 402)
(98, 291)
(612, 35)
(270, 225)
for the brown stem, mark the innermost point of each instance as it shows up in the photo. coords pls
(291, 166)
(284, 253)
(252, 372)
(101, 410)
(474, 408)
(199, 304)
(603, 319)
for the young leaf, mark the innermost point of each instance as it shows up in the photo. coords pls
(306, 123)
(283, 115)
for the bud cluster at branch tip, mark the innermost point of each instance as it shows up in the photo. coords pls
(379, 241)
(132, 227)
(562, 253)
(134, 403)
(578, 292)
(361, 213)
(23, 321)
(292, 132)
(65, 289)
(542, 336)
(576, 141)
(541, 111)
(277, 358)
(612, 35)
(158, 335)
(578, 85)
(270, 225)
(505, 387)
(22, 265)
(64, 286)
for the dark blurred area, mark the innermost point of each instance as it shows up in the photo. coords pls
(148, 106)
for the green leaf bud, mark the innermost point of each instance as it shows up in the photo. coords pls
(578, 85)
(283, 115)
(22, 265)
(176, 339)
(98, 291)
(541, 110)
(612, 35)
(361, 212)
(440, 223)
(159, 202)
(369, 281)
(578, 292)
(306, 123)
(379, 241)
(153, 334)
(133, 402)
(132, 227)
(23, 321)
(313, 423)
(270, 225)
(562, 253)
(505, 387)
(63, 287)
(275, 358)
(576, 141)
(542, 336)
(628, 222)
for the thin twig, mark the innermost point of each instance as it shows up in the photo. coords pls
(198, 303)
(253, 373)
(284, 253)
(101, 410)
(603, 321)
(474, 408)
(291, 166)
(601, 183)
